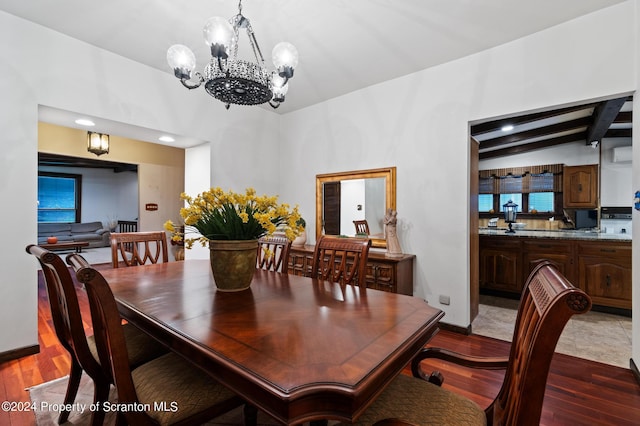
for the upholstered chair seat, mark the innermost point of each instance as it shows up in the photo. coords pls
(171, 378)
(142, 347)
(422, 403)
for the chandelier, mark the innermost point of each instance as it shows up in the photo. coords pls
(232, 80)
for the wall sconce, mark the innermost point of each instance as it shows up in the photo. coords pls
(97, 143)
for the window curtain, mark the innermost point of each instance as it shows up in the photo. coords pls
(544, 178)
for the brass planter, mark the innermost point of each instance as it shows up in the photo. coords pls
(233, 263)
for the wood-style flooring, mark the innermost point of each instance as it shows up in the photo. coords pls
(579, 392)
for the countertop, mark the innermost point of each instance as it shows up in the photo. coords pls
(561, 235)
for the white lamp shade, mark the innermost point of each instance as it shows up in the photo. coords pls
(285, 54)
(218, 30)
(181, 57)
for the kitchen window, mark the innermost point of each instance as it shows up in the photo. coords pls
(535, 189)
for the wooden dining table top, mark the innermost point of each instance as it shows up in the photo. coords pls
(298, 348)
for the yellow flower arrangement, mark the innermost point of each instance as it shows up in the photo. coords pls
(219, 215)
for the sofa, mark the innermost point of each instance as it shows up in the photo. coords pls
(92, 232)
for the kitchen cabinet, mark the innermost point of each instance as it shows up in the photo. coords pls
(605, 273)
(500, 264)
(392, 274)
(602, 268)
(580, 186)
(559, 253)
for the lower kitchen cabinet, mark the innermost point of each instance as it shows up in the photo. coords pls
(500, 264)
(601, 268)
(559, 253)
(605, 273)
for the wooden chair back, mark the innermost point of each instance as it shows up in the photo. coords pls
(362, 227)
(273, 253)
(65, 309)
(109, 336)
(548, 301)
(69, 328)
(342, 260)
(138, 248)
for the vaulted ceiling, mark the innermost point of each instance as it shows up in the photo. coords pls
(587, 123)
(344, 45)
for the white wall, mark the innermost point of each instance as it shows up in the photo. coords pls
(43, 67)
(419, 123)
(616, 189)
(197, 179)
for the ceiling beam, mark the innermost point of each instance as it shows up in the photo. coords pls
(565, 126)
(519, 149)
(618, 133)
(604, 114)
(492, 126)
(56, 160)
(624, 117)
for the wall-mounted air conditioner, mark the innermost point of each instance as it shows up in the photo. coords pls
(621, 154)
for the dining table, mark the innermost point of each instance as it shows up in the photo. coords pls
(298, 348)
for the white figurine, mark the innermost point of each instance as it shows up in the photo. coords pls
(391, 235)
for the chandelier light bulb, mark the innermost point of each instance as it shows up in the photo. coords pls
(228, 78)
(218, 34)
(280, 91)
(277, 81)
(285, 58)
(182, 60)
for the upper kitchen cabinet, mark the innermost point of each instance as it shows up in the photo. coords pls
(580, 186)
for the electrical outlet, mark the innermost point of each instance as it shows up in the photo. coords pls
(444, 300)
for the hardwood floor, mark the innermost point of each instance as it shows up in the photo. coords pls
(579, 392)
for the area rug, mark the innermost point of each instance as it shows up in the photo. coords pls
(46, 396)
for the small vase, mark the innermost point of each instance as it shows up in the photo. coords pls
(233, 263)
(178, 252)
(300, 240)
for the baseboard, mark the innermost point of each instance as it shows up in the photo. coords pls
(19, 353)
(456, 328)
(634, 370)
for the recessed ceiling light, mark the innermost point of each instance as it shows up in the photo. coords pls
(507, 128)
(166, 138)
(85, 122)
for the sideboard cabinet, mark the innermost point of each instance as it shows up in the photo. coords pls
(392, 274)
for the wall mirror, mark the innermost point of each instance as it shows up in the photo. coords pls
(345, 197)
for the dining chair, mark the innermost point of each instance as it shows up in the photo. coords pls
(362, 227)
(273, 253)
(548, 301)
(192, 396)
(138, 248)
(69, 328)
(342, 260)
